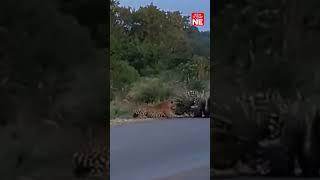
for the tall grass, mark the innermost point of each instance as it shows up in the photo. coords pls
(150, 90)
(119, 110)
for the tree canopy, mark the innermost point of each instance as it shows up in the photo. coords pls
(149, 41)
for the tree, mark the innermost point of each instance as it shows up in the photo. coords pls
(91, 14)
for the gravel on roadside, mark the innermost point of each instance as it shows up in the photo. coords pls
(118, 121)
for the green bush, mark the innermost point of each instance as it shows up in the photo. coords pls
(195, 69)
(150, 90)
(198, 85)
(117, 111)
(170, 76)
(122, 76)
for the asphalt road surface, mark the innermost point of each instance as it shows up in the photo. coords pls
(170, 149)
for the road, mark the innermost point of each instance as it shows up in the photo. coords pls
(170, 149)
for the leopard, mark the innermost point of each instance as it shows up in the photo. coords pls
(164, 109)
(92, 160)
(141, 112)
(289, 127)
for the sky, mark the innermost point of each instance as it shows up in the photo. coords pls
(184, 6)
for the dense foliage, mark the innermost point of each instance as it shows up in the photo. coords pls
(151, 48)
(260, 46)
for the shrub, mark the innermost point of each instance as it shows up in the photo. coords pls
(118, 110)
(150, 90)
(198, 85)
(122, 76)
(195, 69)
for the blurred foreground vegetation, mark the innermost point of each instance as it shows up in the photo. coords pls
(266, 44)
(53, 83)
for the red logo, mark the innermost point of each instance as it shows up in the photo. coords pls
(197, 19)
